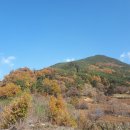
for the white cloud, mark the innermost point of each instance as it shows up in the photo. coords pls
(125, 56)
(128, 55)
(8, 60)
(70, 59)
(6, 65)
(122, 55)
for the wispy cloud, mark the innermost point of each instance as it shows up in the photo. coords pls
(69, 59)
(6, 64)
(125, 56)
(8, 60)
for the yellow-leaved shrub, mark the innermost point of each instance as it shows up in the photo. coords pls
(51, 87)
(59, 114)
(16, 111)
(23, 74)
(9, 90)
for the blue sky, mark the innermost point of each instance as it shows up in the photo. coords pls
(39, 33)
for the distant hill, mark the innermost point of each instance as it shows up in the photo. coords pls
(93, 60)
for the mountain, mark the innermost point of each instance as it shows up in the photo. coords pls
(83, 63)
(98, 63)
(99, 71)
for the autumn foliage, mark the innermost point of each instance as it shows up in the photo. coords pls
(96, 78)
(9, 90)
(45, 72)
(16, 111)
(59, 114)
(22, 74)
(51, 87)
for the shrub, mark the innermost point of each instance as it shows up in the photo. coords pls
(100, 97)
(10, 90)
(16, 111)
(121, 89)
(72, 92)
(96, 114)
(22, 84)
(117, 108)
(22, 74)
(38, 85)
(59, 114)
(51, 87)
(82, 105)
(83, 122)
(74, 101)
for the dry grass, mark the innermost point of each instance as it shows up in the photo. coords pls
(121, 96)
(95, 113)
(115, 119)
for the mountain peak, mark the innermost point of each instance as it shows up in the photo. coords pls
(82, 63)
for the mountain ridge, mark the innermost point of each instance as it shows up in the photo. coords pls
(93, 60)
